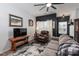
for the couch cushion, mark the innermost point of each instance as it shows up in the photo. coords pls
(63, 39)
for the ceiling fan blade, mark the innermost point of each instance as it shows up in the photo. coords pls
(53, 7)
(47, 9)
(40, 4)
(42, 7)
(57, 3)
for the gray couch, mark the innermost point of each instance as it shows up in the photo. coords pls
(53, 45)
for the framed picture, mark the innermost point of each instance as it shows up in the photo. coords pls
(15, 21)
(30, 22)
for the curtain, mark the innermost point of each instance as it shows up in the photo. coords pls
(44, 25)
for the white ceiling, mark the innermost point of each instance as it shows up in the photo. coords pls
(35, 11)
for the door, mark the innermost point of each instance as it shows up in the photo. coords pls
(77, 30)
(62, 25)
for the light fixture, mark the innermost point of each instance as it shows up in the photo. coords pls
(49, 4)
(63, 16)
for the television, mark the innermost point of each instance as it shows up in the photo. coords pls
(19, 32)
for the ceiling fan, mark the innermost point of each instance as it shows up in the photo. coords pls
(48, 5)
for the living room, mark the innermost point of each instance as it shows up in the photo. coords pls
(35, 20)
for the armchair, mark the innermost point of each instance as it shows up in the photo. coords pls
(43, 37)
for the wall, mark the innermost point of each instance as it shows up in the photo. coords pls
(66, 12)
(77, 13)
(5, 30)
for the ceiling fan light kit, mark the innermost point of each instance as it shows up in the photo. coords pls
(49, 4)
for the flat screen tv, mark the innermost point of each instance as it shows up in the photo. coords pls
(19, 32)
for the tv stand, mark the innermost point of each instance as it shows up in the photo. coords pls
(18, 41)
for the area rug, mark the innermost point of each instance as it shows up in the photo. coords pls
(29, 50)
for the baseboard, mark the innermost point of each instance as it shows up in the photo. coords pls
(4, 51)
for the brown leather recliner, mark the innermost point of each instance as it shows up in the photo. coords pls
(43, 37)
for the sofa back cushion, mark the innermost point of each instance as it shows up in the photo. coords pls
(63, 39)
(44, 32)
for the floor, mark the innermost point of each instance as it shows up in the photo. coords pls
(24, 50)
(33, 49)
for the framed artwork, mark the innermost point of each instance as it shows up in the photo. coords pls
(30, 22)
(15, 21)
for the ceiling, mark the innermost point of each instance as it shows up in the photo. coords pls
(35, 11)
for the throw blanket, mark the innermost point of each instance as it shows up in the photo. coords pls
(68, 49)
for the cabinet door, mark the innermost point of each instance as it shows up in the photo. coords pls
(77, 30)
(77, 37)
(76, 26)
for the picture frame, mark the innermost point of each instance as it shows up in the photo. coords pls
(15, 21)
(30, 22)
